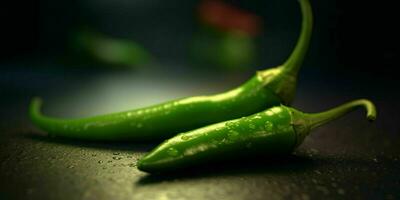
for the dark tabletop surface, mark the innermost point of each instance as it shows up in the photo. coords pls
(347, 159)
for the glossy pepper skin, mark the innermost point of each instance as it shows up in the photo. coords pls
(278, 130)
(266, 89)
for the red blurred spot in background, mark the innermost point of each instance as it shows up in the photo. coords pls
(226, 17)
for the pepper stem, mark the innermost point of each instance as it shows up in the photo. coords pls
(317, 119)
(293, 63)
(282, 80)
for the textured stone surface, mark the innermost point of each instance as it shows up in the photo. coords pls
(349, 158)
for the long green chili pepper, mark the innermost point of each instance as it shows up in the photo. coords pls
(278, 130)
(266, 89)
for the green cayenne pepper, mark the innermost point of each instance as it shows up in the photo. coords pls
(266, 89)
(278, 130)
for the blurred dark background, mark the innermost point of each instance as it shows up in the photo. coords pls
(360, 37)
(91, 57)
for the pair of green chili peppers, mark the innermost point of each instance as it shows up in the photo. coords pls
(279, 129)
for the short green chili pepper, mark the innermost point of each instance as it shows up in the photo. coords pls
(266, 89)
(278, 130)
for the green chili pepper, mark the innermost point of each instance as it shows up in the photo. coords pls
(278, 130)
(266, 89)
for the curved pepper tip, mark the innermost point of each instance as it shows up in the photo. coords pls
(371, 109)
(142, 166)
(371, 118)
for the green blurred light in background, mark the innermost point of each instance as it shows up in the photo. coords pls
(109, 51)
